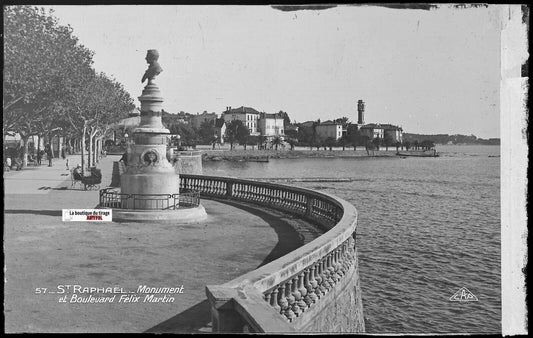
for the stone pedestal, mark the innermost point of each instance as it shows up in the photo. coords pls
(148, 170)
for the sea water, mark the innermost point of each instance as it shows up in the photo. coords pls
(427, 227)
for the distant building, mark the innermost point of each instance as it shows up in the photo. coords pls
(393, 132)
(382, 131)
(247, 115)
(329, 129)
(372, 130)
(291, 131)
(198, 119)
(271, 125)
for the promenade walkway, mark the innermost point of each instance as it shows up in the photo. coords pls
(41, 251)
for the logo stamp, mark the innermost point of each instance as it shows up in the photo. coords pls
(463, 295)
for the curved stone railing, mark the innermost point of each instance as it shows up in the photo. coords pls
(312, 289)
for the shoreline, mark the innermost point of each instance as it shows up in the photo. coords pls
(264, 155)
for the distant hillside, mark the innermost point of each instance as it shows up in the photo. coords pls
(453, 139)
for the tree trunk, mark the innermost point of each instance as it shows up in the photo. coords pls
(98, 149)
(50, 140)
(25, 139)
(83, 148)
(91, 149)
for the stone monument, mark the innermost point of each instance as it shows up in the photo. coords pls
(149, 186)
(148, 171)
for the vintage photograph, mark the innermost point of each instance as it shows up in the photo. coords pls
(265, 169)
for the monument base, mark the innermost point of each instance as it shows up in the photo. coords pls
(178, 216)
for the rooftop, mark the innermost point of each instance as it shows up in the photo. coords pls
(241, 110)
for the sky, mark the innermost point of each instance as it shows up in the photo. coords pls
(429, 72)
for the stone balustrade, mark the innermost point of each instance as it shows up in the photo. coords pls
(312, 289)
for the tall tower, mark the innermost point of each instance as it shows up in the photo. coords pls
(360, 112)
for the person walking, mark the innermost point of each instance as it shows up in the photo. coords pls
(49, 155)
(39, 156)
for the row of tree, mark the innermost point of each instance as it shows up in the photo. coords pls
(50, 86)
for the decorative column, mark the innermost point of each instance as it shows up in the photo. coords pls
(148, 170)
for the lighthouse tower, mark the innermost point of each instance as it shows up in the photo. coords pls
(360, 113)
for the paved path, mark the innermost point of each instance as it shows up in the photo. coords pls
(41, 251)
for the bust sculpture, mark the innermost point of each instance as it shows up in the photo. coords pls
(154, 69)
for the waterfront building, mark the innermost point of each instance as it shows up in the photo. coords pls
(372, 130)
(393, 132)
(291, 131)
(247, 115)
(382, 131)
(271, 125)
(329, 129)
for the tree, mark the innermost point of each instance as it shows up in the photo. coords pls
(264, 141)
(352, 135)
(306, 136)
(377, 142)
(427, 144)
(292, 142)
(343, 142)
(188, 135)
(330, 142)
(342, 120)
(236, 131)
(253, 141)
(387, 141)
(43, 62)
(407, 145)
(277, 141)
(370, 146)
(92, 109)
(206, 132)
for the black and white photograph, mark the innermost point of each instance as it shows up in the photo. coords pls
(265, 169)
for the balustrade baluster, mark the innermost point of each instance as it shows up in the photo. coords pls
(331, 270)
(310, 297)
(297, 296)
(325, 272)
(268, 294)
(302, 292)
(283, 303)
(336, 263)
(323, 277)
(264, 193)
(290, 300)
(319, 290)
(275, 304)
(343, 258)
